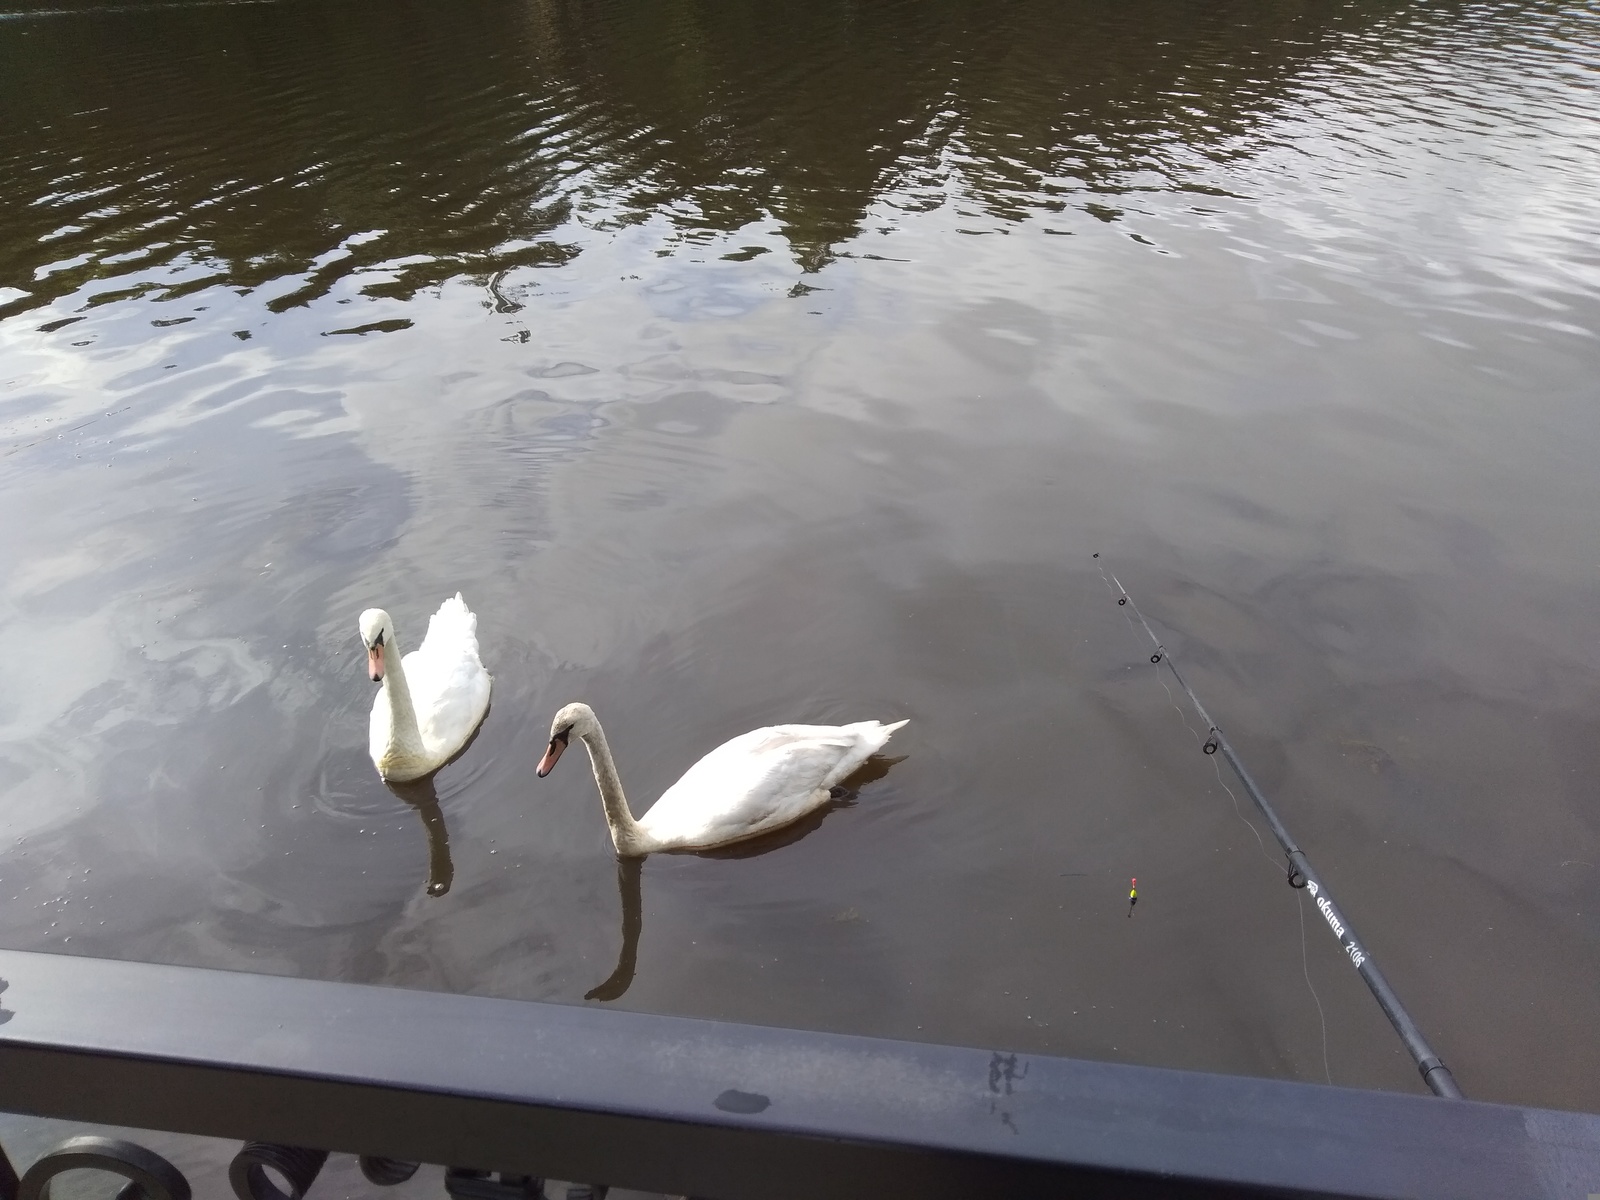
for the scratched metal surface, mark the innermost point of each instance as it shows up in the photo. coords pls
(725, 1109)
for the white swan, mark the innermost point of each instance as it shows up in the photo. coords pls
(432, 699)
(755, 783)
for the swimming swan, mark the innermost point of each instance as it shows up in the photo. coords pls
(432, 699)
(753, 784)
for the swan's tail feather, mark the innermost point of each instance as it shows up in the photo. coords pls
(454, 624)
(877, 734)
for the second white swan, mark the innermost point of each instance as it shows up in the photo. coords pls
(750, 785)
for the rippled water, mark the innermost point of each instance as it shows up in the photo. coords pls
(745, 363)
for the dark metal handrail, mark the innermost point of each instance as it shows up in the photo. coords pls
(712, 1109)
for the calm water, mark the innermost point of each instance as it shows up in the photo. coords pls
(747, 363)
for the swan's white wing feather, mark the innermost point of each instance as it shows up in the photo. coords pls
(449, 687)
(760, 780)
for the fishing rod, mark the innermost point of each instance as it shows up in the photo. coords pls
(1434, 1073)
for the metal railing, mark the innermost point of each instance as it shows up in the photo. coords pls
(700, 1108)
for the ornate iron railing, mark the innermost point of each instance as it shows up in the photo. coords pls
(696, 1108)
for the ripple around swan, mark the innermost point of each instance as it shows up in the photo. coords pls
(346, 785)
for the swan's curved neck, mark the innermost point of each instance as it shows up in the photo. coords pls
(626, 836)
(405, 739)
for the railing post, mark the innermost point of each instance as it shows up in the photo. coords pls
(8, 1177)
(295, 1165)
(150, 1176)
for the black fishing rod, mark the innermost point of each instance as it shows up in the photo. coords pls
(1434, 1073)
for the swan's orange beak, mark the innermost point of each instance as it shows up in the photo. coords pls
(557, 745)
(375, 662)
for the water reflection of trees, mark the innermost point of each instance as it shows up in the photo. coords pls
(247, 144)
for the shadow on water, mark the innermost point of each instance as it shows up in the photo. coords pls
(628, 890)
(629, 870)
(423, 798)
(422, 795)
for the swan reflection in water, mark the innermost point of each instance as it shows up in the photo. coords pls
(629, 870)
(423, 798)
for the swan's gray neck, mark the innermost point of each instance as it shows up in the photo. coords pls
(626, 835)
(405, 739)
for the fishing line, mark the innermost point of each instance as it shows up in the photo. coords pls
(1261, 846)
(1301, 875)
(1155, 664)
(1238, 812)
(1171, 699)
(1305, 969)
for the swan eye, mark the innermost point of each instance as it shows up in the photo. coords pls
(563, 735)
(378, 641)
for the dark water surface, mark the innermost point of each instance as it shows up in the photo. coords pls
(744, 363)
